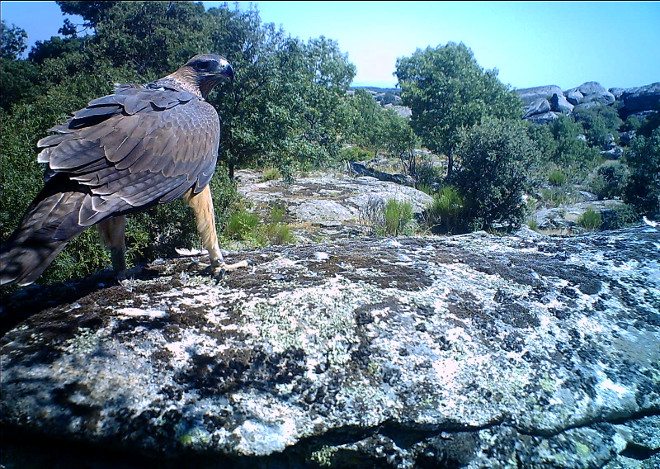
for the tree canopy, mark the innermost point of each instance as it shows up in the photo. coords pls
(448, 91)
(286, 105)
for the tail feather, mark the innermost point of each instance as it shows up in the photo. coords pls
(49, 224)
(23, 264)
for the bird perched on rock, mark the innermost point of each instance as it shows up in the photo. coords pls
(123, 153)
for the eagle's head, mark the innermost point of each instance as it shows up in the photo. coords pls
(205, 71)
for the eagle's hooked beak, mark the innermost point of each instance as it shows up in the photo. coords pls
(225, 70)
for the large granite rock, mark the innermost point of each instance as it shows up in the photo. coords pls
(328, 207)
(543, 118)
(564, 219)
(472, 351)
(593, 91)
(529, 95)
(559, 103)
(538, 106)
(539, 102)
(637, 100)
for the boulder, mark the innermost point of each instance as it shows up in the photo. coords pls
(613, 153)
(617, 92)
(331, 198)
(587, 105)
(563, 219)
(559, 103)
(476, 351)
(574, 96)
(643, 98)
(544, 118)
(539, 106)
(591, 92)
(529, 95)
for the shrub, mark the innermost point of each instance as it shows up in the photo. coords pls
(619, 217)
(609, 180)
(271, 174)
(247, 226)
(427, 174)
(572, 153)
(600, 123)
(533, 223)
(355, 153)
(276, 234)
(445, 214)
(557, 178)
(241, 225)
(387, 218)
(496, 163)
(397, 216)
(590, 220)
(643, 187)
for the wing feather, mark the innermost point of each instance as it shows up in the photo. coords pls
(135, 148)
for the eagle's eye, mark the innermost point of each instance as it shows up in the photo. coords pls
(204, 65)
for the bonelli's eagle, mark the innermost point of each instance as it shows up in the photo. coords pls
(123, 153)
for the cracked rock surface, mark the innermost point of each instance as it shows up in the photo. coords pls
(472, 351)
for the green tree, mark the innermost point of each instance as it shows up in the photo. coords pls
(320, 111)
(643, 187)
(368, 121)
(496, 161)
(400, 140)
(287, 104)
(572, 153)
(601, 124)
(448, 91)
(13, 41)
(609, 180)
(19, 77)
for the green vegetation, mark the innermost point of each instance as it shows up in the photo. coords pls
(609, 180)
(248, 228)
(388, 218)
(497, 162)
(590, 220)
(448, 91)
(557, 178)
(600, 124)
(642, 189)
(271, 174)
(290, 109)
(398, 216)
(446, 213)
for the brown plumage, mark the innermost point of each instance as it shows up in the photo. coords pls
(123, 153)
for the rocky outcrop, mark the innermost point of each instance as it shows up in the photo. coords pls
(591, 92)
(544, 103)
(472, 351)
(639, 100)
(564, 219)
(559, 103)
(530, 95)
(335, 206)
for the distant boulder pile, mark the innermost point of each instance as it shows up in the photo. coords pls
(545, 103)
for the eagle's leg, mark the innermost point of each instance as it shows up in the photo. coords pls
(111, 231)
(202, 205)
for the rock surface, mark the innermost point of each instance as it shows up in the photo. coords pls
(642, 101)
(643, 98)
(472, 351)
(564, 219)
(529, 95)
(332, 206)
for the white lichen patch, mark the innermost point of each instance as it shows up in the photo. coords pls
(135, 312)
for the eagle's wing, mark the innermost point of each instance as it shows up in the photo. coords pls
(135, 148)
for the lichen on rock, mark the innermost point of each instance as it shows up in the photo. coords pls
(469, 351)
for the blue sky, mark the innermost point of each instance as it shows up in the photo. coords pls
(530, 43)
